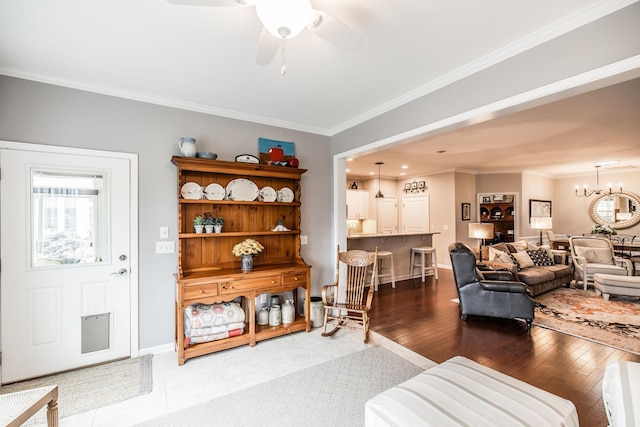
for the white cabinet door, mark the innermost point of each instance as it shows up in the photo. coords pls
(387, 215)
(357, 204)
(415, 214)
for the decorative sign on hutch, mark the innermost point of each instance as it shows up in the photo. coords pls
(210, 273)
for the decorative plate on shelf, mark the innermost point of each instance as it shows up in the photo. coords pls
(247, 158)
(268, 194)
(242, 190)
(191, 190)
(214, 192)
(285, 194)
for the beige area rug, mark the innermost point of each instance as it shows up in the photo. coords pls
(85, 389)
(329, 394)
(581, 313)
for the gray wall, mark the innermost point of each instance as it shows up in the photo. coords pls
(38, 113)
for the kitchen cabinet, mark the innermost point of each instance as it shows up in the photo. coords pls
(387, 210)
(415, 213)
(357, 204)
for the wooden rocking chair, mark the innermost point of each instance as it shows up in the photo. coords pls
(353, 313)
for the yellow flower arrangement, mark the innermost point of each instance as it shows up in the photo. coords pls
(247, 247)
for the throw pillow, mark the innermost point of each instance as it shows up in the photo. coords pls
(523, 259)
(520, 246)
(496, 255)
(595, 255)
(540, 257)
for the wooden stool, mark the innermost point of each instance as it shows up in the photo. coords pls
(385, 256)
(431, 268)
(16, 408)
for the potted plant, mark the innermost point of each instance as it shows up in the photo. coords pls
(208, 222)
(218, 222)
(198, 224)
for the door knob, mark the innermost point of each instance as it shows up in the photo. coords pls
(121, 272)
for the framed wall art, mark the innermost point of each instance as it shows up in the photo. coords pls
(539, 208)
(466, 211)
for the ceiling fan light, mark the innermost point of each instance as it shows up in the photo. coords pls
(284, 18)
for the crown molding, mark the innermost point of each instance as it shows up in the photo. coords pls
(159, 100)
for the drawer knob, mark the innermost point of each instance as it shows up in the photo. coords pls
(201, 291)
(295, 278)
(273, 281)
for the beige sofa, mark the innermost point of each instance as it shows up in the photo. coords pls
(530, 270)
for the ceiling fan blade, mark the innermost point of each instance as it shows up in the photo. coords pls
(215, 3)
(331, 29)
(267, 48)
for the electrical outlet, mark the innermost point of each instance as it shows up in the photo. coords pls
(303, 239)
(165, 247)
(263, 298)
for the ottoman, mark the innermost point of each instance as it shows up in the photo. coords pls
(461, 392)
(607, 284)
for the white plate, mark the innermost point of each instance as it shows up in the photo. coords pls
(214, 192)
(242, 190)
(268, 194)
(285, 194)
(191, 190)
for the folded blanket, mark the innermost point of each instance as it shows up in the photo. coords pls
(210, 319)
(213, 337)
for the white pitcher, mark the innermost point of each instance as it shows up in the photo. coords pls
(288, 311)
(187, 146)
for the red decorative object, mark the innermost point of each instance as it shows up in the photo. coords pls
(276, 154)
(293, 162)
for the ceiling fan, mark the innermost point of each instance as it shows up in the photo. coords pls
(285, 19)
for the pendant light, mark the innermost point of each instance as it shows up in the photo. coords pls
(379, 194)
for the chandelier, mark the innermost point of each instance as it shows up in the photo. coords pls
(379, 194)
(597, 190)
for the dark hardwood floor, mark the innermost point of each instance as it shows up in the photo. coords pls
(423, 318)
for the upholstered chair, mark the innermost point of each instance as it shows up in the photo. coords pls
(593, 255)
(494, 298)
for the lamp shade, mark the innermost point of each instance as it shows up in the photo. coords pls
(541, 223)
(284, 18)
(480, 230)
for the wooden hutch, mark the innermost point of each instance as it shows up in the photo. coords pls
(501, 214)
(209, 273)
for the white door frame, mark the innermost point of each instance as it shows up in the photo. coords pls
(134, 259)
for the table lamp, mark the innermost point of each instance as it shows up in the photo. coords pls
(481, 231)
(541, 223)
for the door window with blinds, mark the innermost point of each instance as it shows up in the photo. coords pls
(69, 219)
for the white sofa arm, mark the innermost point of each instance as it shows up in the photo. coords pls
(620, 389)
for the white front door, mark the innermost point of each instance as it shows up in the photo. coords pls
(66, 253)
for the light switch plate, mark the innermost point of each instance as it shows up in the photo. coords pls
(164, 232)
(165, 247)
(303, 239)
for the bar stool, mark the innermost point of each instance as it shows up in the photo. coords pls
(431, 268)
(382, 257)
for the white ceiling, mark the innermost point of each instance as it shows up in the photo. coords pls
(203, 59)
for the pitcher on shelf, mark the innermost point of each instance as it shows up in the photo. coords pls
(187, 146)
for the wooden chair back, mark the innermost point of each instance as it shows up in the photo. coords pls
(357, 263)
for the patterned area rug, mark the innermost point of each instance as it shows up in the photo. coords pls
(329, 394)
(89, 388)
(580, 313)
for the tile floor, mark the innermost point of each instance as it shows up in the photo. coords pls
(208, 377)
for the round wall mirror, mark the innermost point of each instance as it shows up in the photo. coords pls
(620, 210)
